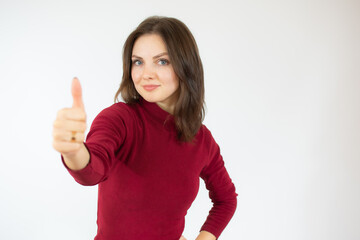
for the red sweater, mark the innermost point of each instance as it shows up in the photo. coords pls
(148, 179)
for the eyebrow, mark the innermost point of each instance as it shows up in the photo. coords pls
(157, 56)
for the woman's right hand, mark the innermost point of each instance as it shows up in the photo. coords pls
(70, 125)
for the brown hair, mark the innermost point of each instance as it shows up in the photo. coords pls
(184, 56)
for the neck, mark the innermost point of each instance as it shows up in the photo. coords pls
(167, 108)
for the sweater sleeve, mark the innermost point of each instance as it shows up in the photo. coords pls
(221, 192)
(104, 140)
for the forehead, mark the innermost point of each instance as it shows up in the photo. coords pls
(149, 44)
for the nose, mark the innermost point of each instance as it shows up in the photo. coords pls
(149, 72)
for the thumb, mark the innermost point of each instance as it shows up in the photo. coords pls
(76, 93)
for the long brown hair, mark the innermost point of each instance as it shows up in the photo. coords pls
(184, 56)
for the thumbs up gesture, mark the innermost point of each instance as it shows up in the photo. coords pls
(70, 124)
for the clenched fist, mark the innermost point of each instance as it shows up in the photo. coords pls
(70, 124)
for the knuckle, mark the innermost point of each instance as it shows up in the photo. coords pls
(56, 146)
(61, 113)
(56, 135)
(57, 123)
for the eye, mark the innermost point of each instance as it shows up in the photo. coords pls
(163, 62)
(136, 62)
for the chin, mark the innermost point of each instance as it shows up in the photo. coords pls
(148, 98)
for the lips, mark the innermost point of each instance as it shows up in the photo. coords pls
(150, 87)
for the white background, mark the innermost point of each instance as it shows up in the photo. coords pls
(283, 102)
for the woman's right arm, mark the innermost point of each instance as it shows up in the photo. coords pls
(69, 131)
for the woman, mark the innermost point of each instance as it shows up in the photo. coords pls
(148, 153)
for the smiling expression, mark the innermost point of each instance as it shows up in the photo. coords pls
(152, 73)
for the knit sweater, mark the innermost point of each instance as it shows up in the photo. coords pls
(147, 178)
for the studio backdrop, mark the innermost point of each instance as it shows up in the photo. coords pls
(282, 82)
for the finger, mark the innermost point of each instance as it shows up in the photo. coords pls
(68, 136)
(66, 147)
(76, 93)
(72, 113)
(70, 125)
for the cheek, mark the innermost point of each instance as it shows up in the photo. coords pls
(135, 75)
(174, 80)
(170, 78)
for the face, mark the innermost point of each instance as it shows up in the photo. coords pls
(152, 73)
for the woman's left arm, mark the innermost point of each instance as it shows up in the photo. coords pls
(221, 191)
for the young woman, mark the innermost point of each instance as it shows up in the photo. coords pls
(148, 153)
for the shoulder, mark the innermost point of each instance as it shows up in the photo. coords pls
(118, 119)
(117, 108)
(118, 115)
(214, 159)
(118, 111)
(205, 133)
(206, 139)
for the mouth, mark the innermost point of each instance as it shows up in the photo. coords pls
(150, 87)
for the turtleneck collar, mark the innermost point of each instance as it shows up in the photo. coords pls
(156, 111)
